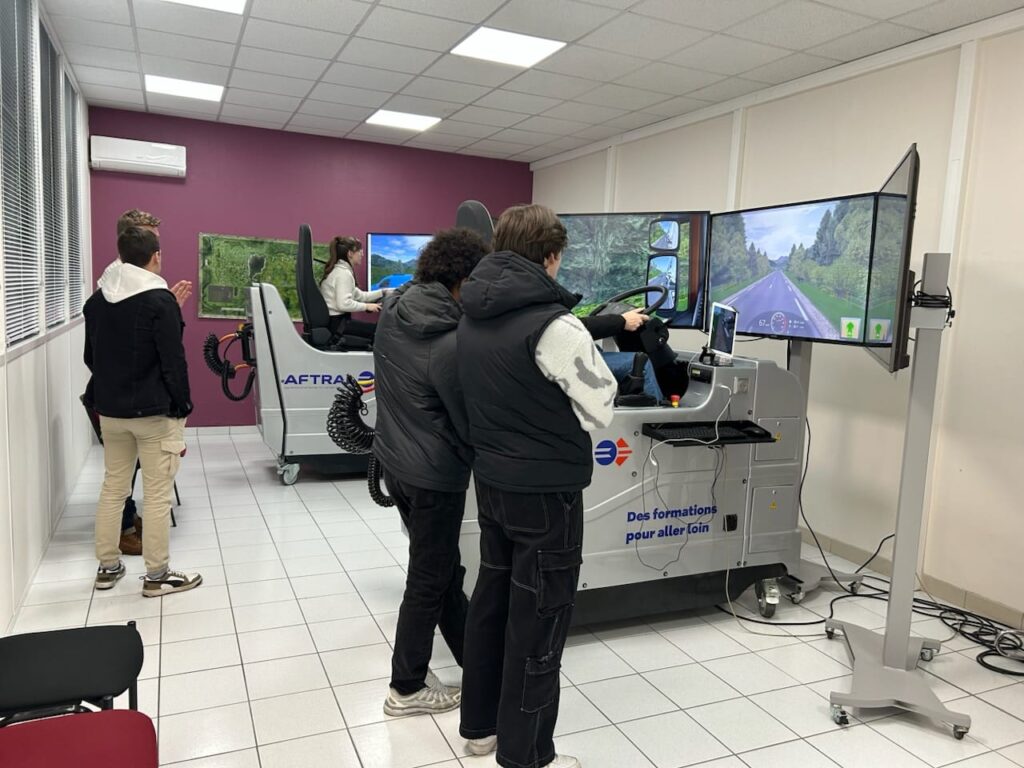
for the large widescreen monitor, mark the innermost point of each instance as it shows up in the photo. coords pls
(797, 271)
(609, 253)
(891, 279)
(392, 258)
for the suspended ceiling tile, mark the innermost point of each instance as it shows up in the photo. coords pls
(505, 147)
(669, 78)
(112, 95)
(864, 42)
(255, 113)
(85, 32)
(790, 68)
(878, 9)
(347, 94)
(517, 102)
(633, 120)
(620, 96)
(470, 130)
(260, 81)
(326, 109)
(472, 11)
(566, 143)
(108, 58)
(799, 24)
(112, 11)
(680, 105)
(598, 132)
(620, 5)
(191, 106)
(949, 14)
(445, 90)
(164, 66)
(271, 125)
(466, 70)
(580, 61)
(391, 25)
(714, 15)
(517, 136)
(277, 63)
(325, 124)
(727, 89)
(485, 116)
(273, 36)
(445, 140)
(340, 16)
(726, 55)
(551, 84)
(344, 73)
(186, 20)
(118, 78)
(551, 125)
(374, 53)
(585, 113)
(380, 134)
(191, 48)
(643, 37)
(265, 100)
(567, 20)
(421, 106)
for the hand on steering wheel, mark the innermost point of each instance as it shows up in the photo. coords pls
(635, 319)
(647, 289)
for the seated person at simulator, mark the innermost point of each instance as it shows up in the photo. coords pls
(621, 363)
(422, 443)
(341, 293)
(534, 387)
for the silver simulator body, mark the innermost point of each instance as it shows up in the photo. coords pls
(295, 387)
(659, 532)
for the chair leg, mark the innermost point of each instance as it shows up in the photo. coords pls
(133, 695)
(177, 496)
(174, 523)
(107, 702)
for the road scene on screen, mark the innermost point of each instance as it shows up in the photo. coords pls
(799, 271)
(393, 258)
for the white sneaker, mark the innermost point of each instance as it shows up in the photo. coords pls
(564, 761)
(434, 681)
(483, 746)
(429, 700)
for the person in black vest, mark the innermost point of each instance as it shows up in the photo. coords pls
(536, 386)
(422, 442)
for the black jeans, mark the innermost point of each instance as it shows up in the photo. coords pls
(433, 587)
(344, 324)
(530, 555)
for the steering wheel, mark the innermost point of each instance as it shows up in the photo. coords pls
(615, 305)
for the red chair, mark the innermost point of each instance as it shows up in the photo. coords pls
(114, 737)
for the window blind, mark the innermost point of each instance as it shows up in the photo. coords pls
(55, 261)
(72, 141)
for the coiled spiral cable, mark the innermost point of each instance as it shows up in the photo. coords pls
(345, 426)
(222, 368)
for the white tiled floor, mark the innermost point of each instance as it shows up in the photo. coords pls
(281, 658)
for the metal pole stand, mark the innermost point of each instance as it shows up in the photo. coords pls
(884, 664)
(811, 575)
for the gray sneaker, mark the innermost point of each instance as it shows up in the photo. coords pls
(425, 701)
(483, 746)
(106, 578)
(172, 581)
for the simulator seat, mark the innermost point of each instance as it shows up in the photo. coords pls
(319, 329)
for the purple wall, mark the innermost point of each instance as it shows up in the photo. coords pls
(263, 183)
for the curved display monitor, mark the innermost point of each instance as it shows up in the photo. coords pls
(609, 253)
(391, 258)
(796, 271)
(892, 281)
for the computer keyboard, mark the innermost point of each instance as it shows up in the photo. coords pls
(707, 432)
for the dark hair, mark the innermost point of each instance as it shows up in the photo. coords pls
(340, 248)
(137, 245)
(532, 231)
(136, 218)
(450, 256)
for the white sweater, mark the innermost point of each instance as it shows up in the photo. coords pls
(342, 294)
(566, 355)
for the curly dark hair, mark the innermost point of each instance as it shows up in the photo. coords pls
(450, 256)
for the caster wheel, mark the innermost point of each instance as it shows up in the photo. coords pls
(959, 732)
(855, 588)
(797, 597)
(927, 654)
(830, 634)
(765, 606)
(839, 716)
(289, 474)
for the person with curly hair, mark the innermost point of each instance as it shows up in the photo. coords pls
(422, 442)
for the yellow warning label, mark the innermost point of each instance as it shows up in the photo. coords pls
(773, 506)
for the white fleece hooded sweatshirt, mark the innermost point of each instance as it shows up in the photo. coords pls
(121, 281)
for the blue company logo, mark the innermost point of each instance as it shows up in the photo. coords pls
(607, 452)
(365, 379)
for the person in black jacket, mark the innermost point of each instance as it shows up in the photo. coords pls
(421, 442)
(140, 390)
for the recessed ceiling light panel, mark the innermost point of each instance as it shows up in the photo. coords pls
(507, 47)
(188, 89)
(227, 6)
(406, 120)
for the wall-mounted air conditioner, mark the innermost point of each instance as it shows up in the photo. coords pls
(128, 156)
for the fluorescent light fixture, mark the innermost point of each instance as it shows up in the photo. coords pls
(227, 6)
(172, 86)
(507, 47)
(406, 120)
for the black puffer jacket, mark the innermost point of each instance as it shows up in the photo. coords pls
(421, 418)
(133, 347)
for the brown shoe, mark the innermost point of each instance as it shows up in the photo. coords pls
(138, 526)
(130, 544)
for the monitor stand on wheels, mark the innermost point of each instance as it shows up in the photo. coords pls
(884, 664)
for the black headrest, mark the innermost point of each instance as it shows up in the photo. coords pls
(473, 215)
(311, 301)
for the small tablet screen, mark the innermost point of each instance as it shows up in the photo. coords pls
(722, 333)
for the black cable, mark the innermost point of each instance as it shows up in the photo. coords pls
(348, 431)
(878, 549)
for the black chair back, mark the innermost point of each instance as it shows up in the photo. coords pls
(316, 318)
(472, 214)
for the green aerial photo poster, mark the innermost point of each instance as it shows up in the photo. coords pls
(229, 264)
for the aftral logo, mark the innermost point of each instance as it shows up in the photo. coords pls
(606, 452)
(366, 381)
